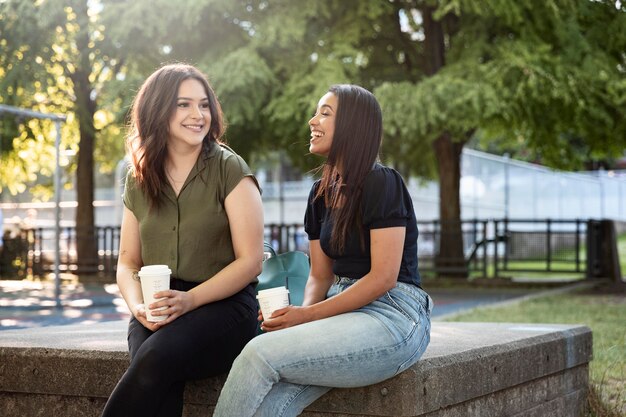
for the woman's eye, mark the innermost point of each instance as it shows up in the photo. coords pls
(205, 105)
(183, 105)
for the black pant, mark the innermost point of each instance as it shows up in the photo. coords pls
(199, 344)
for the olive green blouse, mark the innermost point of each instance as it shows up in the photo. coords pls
(190, 233)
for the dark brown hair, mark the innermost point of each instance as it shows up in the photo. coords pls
(353, 152)
(149, 132)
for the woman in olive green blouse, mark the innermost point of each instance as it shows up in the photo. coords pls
(193, 204)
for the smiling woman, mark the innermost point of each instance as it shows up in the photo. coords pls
(364, 317)
(191, 203)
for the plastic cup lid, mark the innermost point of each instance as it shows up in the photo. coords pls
(272, 291)
(154, 270)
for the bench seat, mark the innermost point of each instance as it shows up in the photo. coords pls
(469, 369)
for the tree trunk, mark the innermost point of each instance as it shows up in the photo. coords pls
(86, 248)
(434, 46)
(450, 260)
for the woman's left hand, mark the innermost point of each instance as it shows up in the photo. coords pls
(286, 317)
(177, 303)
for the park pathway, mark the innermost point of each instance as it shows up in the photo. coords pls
(28, 304)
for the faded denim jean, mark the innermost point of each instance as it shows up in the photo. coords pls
(279, 373)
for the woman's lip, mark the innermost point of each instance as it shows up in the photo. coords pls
(195, 128)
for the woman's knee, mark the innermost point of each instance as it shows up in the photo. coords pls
(253, 352)
(151, 363)
(257, 357)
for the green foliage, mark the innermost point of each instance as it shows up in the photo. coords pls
(518, 72)
(541, 79)
(244, 84)
(563, 85)
(54, 61)
(244, 81)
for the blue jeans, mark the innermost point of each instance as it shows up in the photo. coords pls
(279, 373)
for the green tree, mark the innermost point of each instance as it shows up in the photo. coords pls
(543, 73)
(210, 34)
(55, 60)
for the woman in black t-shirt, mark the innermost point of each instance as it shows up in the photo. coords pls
(364, 318)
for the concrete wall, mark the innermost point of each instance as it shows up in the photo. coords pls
(469, 369)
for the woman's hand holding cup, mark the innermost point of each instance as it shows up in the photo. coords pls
(176, 304)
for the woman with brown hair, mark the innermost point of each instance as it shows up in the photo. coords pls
(365, 317)
(192, 204)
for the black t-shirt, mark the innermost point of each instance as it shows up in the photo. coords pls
(385, 202)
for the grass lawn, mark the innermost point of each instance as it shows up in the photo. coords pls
(604, 311)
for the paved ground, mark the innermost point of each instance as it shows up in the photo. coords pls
(29, 304)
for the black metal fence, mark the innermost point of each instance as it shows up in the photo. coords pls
(490, 247)
(32, 251)
(557, 246)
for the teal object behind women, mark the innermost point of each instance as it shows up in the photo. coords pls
(290, 269)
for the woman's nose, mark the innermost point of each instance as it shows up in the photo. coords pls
(197, 112)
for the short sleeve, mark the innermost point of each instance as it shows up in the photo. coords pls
(385, 201)
(129, 186)
(134, 198)
(234, 170)
(314, 214)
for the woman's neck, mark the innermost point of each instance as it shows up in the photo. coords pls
(178, 165)
(182, 159)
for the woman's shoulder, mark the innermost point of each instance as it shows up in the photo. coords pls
(313, 190)
(130, 179)
(222, 151)
(225, 156)
(381, 176)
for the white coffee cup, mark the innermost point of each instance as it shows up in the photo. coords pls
(272, 299)
(154, 278)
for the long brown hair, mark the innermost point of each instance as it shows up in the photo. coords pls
(353, 152)
(149, 127)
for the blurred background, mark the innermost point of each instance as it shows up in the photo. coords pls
(506, 118)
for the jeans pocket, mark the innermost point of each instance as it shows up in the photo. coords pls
(417, 295)
(396, 305)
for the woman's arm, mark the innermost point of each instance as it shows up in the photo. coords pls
(129, 262)
(245, 218)
(386, 252)
(321, 276)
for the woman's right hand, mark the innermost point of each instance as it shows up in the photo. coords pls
(139, 311)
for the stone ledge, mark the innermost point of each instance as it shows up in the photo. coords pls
(469, 369)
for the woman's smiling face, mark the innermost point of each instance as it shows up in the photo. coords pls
(322, 125)
(191, 121)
